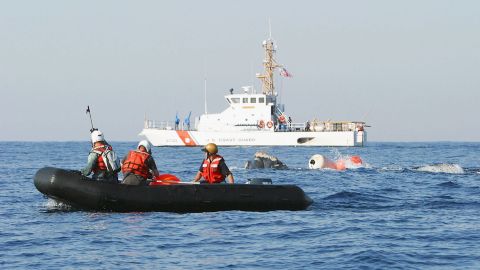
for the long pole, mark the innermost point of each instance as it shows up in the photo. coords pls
(205, 90)
(205, 83)
(91, 121)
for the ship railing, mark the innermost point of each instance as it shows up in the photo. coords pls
(335, 126)
(291, 127)
(326, 126)
(166, 125)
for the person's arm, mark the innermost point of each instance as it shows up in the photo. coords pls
(91, 161)
(198, 176)
(226, 172)
(153, 167)
(230, 179)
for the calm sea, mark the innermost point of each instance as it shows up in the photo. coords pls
(413, 206)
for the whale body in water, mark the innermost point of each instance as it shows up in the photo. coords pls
(263, 160)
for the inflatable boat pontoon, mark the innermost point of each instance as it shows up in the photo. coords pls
(83, 193)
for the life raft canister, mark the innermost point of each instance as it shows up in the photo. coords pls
(261, 124)
(211, 171)
(136, 163)
(269, 124)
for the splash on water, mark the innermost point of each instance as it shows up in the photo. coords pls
(349, 161)
(442, 168)
(53, 205)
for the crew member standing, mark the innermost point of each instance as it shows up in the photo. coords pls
(96, 162)
(213, 169)
(138, 165)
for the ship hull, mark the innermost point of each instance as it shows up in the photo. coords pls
(161, 137)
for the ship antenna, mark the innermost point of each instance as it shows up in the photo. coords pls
(269, 29)
(205, 84)
(269, 65)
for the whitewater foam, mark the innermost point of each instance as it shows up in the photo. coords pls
(52, 204)
(442, 168)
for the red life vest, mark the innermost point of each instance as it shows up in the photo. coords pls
(136, 163)
(211, 170)
(100, 166)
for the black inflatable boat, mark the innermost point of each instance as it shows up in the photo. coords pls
(83, 193)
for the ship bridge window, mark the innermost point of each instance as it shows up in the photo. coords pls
(261, 100)
(245, 100)
(253, 100)
(236, 100)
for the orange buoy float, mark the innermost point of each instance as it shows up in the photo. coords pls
(261, 124)
(165, 179)
(269, 124)
(356, 160)
(322, 162)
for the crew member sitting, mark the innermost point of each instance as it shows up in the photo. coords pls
(213, 169)
(138, 165)
(96, 160)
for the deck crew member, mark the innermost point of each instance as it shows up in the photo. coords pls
(213, 169)
(138, 165)
(96, 162)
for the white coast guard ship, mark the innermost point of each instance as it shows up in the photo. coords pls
(256, 119)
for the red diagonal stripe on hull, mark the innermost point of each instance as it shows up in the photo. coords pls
(186, 138)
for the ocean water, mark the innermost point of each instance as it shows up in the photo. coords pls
(412, 206)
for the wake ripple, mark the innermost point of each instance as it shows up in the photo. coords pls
(355, 200)
(449, 184)
(442, 168)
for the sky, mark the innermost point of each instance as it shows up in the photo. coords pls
(410, 69)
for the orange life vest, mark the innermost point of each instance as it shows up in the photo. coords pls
(100, 162)
(136, 163)
(211, 170)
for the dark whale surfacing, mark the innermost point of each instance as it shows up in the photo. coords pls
(263, 160)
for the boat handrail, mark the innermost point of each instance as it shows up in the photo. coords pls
(324, 126)
(316, 126)
(166, 125)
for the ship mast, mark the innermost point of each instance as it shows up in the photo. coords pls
(269, 64)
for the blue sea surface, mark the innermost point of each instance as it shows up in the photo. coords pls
(412, 206)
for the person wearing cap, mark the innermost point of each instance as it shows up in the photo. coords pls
(213, 168)
(138, 165)
(95, 162)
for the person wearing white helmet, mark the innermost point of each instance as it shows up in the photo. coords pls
(96, 162)
(139, 165)
(213, 169)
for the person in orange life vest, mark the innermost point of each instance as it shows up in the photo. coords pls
(213, 169)
(138, 165)
(95, 161)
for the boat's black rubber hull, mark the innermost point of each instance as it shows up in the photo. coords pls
(81, 192)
